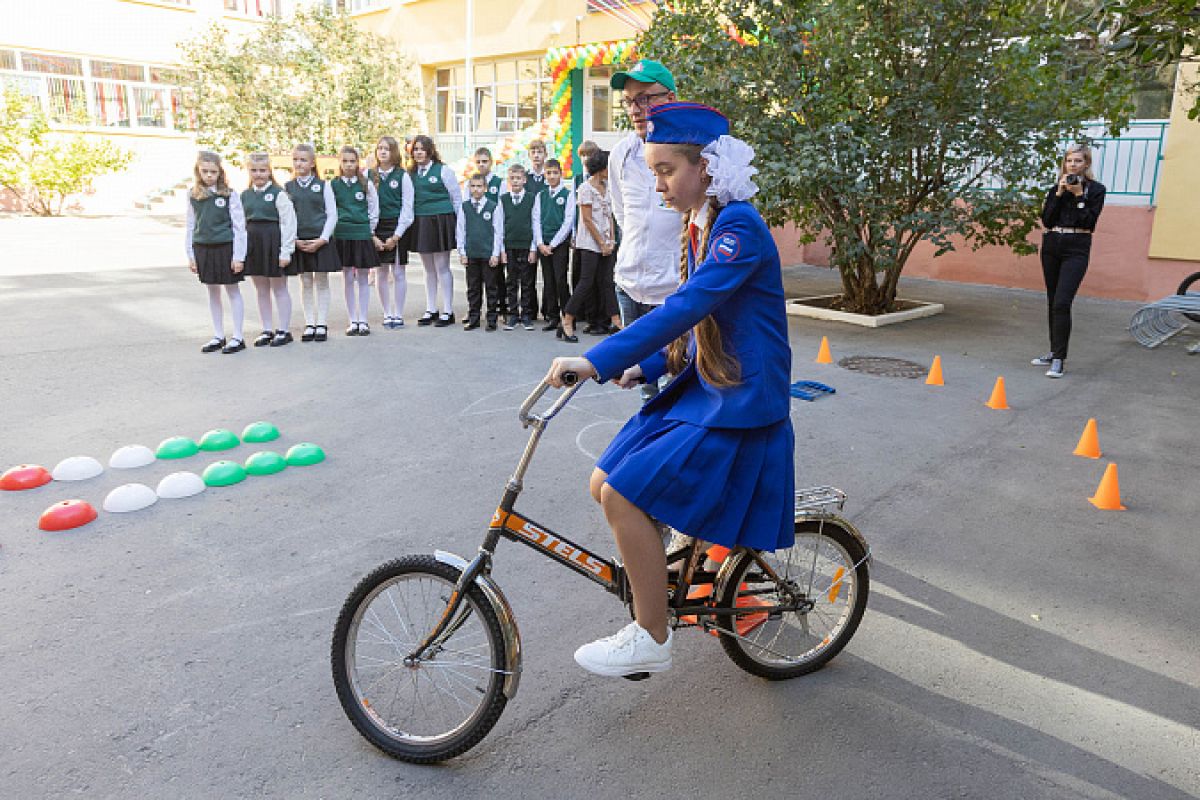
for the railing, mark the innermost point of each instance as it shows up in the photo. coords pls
(104, 104)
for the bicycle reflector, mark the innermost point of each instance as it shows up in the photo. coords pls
(219, 439)
(178, 485)
(77, 468)
(24, 476)
(66, 515)
(130, 497)
(131, 456)
(258, 432)
(305, 454)
(265, 462)
(177, 447)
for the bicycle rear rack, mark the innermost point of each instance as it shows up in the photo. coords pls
(819, 501)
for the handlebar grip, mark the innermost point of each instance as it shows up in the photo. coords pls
(570, 378)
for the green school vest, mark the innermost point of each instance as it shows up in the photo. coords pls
(391, 192)
(495, 185)
(213, 224)
(260, 206)
(554, 210)
(309, 203)
(353, 222)
(518, 222)
(430, 195)
(480, 233)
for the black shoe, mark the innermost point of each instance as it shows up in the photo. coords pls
(234, 346)
(491, 324)
(321, 334)
(264, 339)
(281, 338)
(214, 344)
(470, 325)
(572, 338)
(352, 329)
(527, 323)
(364, 329)
(309, 332)
(427, 318)
(552, 325)
(596, 330)
(444, 321)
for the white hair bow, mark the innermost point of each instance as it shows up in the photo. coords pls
(729, 165)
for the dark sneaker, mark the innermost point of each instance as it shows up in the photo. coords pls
(1043, 361)
(1057, 368)
(510, 323)
(527, 324)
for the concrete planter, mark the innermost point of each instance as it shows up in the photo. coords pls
(819, 308)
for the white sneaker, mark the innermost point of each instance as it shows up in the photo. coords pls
(632, 649)
(1057, 368)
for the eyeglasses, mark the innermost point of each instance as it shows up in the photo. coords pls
(642, 101)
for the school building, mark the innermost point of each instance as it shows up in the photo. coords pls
(497, 73)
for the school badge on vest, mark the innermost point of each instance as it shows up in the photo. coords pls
(433, 179)
(726, 248)
(219, 202)
(561, 201)
(359, 195)
(487, 215)
(316, 188)
(269, 197)
(395, 184)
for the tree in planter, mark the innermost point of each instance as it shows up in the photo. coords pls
(44, 168)
(883, 124)
(312, 78)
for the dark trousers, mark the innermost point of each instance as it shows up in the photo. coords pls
(521, 285)
(595, 287)
(555, 289)
(1064, 263)
(480, 276)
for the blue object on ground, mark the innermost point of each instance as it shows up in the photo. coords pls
(811, 390)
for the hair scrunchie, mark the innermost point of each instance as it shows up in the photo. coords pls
(729, 166)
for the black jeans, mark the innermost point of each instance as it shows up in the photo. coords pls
(556, 291)
(480, 276)
(595, 287)
(1064, 263)
(521, 285)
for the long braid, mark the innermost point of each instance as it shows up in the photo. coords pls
(715, 365)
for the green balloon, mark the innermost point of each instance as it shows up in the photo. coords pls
(223, 473)
(177, 447)
(265, 462)
(305, 454)
(219, 439)
(260, 432)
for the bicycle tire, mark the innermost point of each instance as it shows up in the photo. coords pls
(1186, 284)
(414, 590)
(822, 546)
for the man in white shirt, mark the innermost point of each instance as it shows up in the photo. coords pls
(647, 268)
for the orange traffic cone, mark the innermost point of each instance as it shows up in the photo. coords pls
(823, 355)
(1108, 493)
(935, 373)
(1089, 443)
(999, 399)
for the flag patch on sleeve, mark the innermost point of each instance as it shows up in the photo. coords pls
(726, 248)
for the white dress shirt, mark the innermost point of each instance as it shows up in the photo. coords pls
(647, 267)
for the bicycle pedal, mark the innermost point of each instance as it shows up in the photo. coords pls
(636, 676)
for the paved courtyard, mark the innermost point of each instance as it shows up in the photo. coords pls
(1019, 643)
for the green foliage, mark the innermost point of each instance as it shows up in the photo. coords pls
(312, 78)
(880, 125)
(44, 168)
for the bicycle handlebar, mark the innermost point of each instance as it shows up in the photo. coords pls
(573, 385)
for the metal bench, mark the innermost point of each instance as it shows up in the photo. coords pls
(1155, 323)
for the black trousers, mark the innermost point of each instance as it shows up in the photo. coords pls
(1064, 263)
(521, 284)
(595, 287)
(555, 289)
(480, 276)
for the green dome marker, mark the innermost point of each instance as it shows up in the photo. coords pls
(177, 447)
(260, 432)
(219, 439)
(223, 473)
(265, 462)
(305, 454)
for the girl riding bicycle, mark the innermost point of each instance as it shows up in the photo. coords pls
(712, 455)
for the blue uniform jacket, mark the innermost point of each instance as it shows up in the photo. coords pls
(740, 284)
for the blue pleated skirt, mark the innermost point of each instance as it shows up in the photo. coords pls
(728, 486)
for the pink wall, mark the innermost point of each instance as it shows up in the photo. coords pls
(1119, 269)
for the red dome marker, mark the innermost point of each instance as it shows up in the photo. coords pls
(24, 476)
(66, 515)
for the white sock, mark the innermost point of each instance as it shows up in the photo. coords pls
(429, 262)
(215, 309)
(363, 278)
(323, 295)
(401, 289)
(383, 282)
(348, 291)
(308, 298)
(237, 307)
(262, 291)
(445, 282)
(283, 302)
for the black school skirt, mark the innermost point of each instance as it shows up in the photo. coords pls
(399, 253)
(214, 263)
(435, 234)
(324, 260)
(359, 253)
(262, 250)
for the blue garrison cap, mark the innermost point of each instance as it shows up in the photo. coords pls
(685, 123)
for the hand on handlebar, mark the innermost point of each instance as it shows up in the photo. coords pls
(631, 377)
(577, 364)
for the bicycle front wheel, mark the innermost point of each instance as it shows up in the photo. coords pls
(823, 577)
(1189, 285)
(419, 710)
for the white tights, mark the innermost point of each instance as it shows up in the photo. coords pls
(236, 308)
(392, 283)
(266, 288)
(358, 293)
(315, 298)
(439, 283)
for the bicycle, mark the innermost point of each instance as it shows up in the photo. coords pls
(426, 652)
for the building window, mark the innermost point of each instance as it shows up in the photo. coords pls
(51, 65)
(508, 96)
(119, 72)
(253, 8)
(8, 59)
(351, 6)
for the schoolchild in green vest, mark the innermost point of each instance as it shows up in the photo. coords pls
(395, 190)
(215, 241)
(437, 205)
(315, 257)
(480, 243)
(358, 214)
(270, 240)
(535, 176)
(483, 167)
(520, 253)
(553, 221)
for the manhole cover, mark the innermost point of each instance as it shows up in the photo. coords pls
(885, 367)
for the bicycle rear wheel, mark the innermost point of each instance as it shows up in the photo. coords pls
(424, 710)
(824, 575)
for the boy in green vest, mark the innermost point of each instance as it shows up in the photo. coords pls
(483, 168)
(553, 221)
(520, 253)
(480, 243)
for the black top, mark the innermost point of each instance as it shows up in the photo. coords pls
(1068, 211)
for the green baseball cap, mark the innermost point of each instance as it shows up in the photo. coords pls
(646, 71)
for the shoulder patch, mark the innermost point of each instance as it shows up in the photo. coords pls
(725, 248)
